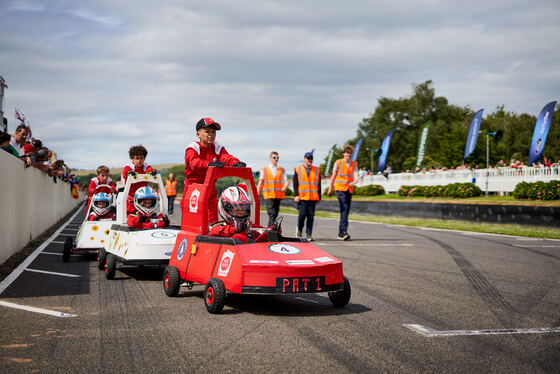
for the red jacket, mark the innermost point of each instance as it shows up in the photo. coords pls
(228, 231)
(95, 217)
(198, 157)
(134, 221)
(139, 170)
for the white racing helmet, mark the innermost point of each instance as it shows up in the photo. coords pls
(101, 203)
(142, 195)
(234, 207)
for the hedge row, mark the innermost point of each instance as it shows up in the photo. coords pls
(461, 190)
(537, 190)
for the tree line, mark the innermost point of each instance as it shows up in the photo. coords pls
(447, 137)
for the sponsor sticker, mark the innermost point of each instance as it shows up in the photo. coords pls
(182, 249)
(225, 263)
(300, 262)
(193, 201)
(284, 249)
(161, 234)
(323, 259)
(263, 262)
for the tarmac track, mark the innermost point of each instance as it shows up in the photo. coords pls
(422, 301)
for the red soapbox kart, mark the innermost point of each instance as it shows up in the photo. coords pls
(272, 265)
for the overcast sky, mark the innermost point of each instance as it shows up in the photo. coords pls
(95, 77)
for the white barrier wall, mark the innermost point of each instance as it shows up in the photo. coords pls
(500, 180)
(31, 203)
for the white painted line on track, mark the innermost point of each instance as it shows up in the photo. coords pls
(355, 244)
(57, 242)
(36, 310)
(535, 246)
(57, 254)
(53, 273)
(431, 333)
(16, 273)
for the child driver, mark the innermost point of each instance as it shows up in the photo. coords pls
(145, 217)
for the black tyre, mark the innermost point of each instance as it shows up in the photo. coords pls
(171, 281)
(101, 257)
(342, 297)
(110, 266)
(68, 244)
(214, 295)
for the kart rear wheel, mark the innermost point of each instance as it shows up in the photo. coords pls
(342, 297)
(171, 281)
(101, 257)
(68, 244)
(214, 296)
(110, 266)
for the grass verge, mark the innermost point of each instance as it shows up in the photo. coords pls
(504, 229)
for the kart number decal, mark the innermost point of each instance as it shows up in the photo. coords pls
(159, 234)
(284, 249)
(300, 284)
(193, 201)
(182, 249)
(225, 263)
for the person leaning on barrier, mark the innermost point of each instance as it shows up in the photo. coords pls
(5, 144)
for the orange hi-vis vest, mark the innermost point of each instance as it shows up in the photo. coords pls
(344, 175)
(272, 184)
(308, 186)
(170, 188)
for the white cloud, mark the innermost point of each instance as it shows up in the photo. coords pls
(96, 77)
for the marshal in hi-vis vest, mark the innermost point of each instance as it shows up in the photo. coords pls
(170, 188)
(308, 186)
(344, 175)
(272, 184)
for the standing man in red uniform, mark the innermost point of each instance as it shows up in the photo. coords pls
(203, 153)
(344, 177)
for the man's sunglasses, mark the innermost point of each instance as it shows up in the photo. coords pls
(275, 157)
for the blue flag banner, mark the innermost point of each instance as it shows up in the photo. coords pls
(473, 133)
(356, 150)
(540, 133)
(384, 151)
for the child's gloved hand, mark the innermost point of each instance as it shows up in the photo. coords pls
(132, 173)
(239, 164)
(153, 172)
(217, 164)
(142, 219)
(166, 220)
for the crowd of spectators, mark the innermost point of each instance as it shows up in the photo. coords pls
(34, 154)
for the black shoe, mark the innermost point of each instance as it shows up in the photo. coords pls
(340, 236)
(346, 236)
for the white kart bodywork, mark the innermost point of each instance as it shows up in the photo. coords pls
(93, 234)
(140, 247)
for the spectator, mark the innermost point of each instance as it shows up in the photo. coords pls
(5, 144)
(19, 138)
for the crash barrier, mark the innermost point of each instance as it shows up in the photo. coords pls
(499, 180)
(518, 214)
(31, 204)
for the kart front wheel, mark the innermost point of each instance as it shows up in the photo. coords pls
(67, 249)
(342, 297)
(171, 281)
(214, 295)
(110, 266)
(101, 257)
